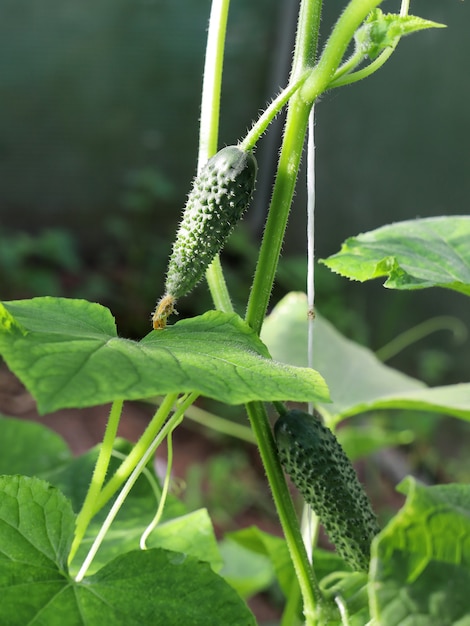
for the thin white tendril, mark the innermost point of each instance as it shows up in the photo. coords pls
(166, 485)
(311, 234)
(343, 611)
(405, 7)
(308, 521)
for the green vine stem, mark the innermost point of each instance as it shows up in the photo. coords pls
(343, 32)
(138, 469)
(287, 516)
(347, 68)
(218, 287)
(163, 496)
(289, 162)
(256, 411)
(258, 302)
(98, 477)
(306, 40)
(209, 127)
(412, 335)
(98, 495)
(212, 81)
(276, 106)
(345, 76)
(342, 78)
(304, 58)
(137, 452)
(220, 424)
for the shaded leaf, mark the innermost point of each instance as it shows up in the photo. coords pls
(30, 448)
(67, 354)
(246, 571)
(420, 572)
(430, 252)
(361, 441)
(357, 380)
(275, 548)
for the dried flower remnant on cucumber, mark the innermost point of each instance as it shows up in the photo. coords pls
(320, 469)
(218, 198)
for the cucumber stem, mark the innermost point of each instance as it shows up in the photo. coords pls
(345, 76)
(99, 474)
(98, 495)
(262, 123)
(209, 128)
(342, 34)
(294, 135)
(289, 161)
(139, 449)
(287, 516)
(144, 458)
(212, 81)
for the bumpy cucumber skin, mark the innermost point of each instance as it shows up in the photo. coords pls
(219, 196)
(319, 468)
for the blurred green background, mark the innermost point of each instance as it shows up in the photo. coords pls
(99, 109)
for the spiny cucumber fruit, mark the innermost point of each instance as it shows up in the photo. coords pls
(218, 197)
(321, 471)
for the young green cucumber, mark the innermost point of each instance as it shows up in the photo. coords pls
(218, 197)
(321, 471)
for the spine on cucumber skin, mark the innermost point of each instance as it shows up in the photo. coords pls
(320, 469)
(218, 198)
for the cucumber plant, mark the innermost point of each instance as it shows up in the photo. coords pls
(60, 532)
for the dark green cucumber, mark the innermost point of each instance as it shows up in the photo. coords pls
(319, 468)
(218, 198)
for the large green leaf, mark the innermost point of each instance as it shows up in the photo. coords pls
(155, 586)
(430, 252)
(161, 588)
(68, 354)
(357, 380)
(420, 568)
(36, 526)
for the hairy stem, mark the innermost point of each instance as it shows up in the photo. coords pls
(98, 478)
(134, 475)
(212, 81)
(343, 32)
(289, 161)
(137, 452)
(287, 516)
(209, 127)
